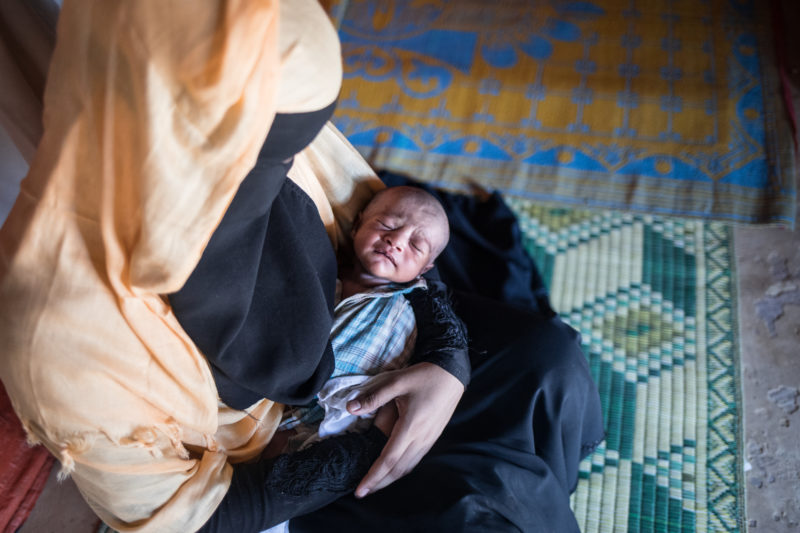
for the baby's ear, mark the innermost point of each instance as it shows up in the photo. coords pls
(426, 268)
(356, 225)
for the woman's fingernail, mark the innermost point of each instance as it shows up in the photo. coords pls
(361, 493)
(355, 405)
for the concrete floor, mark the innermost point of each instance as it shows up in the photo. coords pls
(768, 263)
(60, 509)
(768, 271)
(768, 267)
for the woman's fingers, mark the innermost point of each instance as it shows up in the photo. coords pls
(404, 463)
(426, 397)
(388, 465)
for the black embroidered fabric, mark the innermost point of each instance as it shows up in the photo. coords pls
(332, 465)
(441, 335)
(268, 492)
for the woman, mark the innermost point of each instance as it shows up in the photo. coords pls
(155, 113)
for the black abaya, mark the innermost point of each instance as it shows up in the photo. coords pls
(259, 306)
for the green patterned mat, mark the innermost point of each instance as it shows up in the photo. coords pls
(653, 299)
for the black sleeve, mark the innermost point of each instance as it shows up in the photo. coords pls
(259, 303)
(441, 335)
(268, 492)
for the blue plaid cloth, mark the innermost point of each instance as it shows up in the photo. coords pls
(372, 332)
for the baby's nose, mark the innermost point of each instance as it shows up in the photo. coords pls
(395, 241)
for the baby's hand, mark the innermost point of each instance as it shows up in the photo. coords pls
(277, 444)
(386, 418)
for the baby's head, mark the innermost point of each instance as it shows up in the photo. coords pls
(399, 233)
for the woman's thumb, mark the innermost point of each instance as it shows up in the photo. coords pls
(370, 399)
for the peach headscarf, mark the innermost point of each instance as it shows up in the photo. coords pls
(154, 112)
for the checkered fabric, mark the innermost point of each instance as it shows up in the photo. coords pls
(372, 332)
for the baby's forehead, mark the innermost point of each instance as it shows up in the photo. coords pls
(415, 204)
(421, 212)
(405, 199)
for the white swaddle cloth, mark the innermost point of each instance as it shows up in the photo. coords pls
(333, 398)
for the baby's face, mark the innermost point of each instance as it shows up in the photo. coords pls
(398, 236)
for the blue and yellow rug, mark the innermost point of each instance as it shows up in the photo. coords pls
(653, 299)
(660, 106)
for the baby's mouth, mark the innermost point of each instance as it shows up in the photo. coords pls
(387, 255)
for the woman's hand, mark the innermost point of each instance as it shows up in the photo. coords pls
(425, 396)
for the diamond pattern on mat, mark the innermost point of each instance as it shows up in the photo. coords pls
(652, 299)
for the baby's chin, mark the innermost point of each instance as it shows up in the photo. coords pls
(403, 280)
(391, 277)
